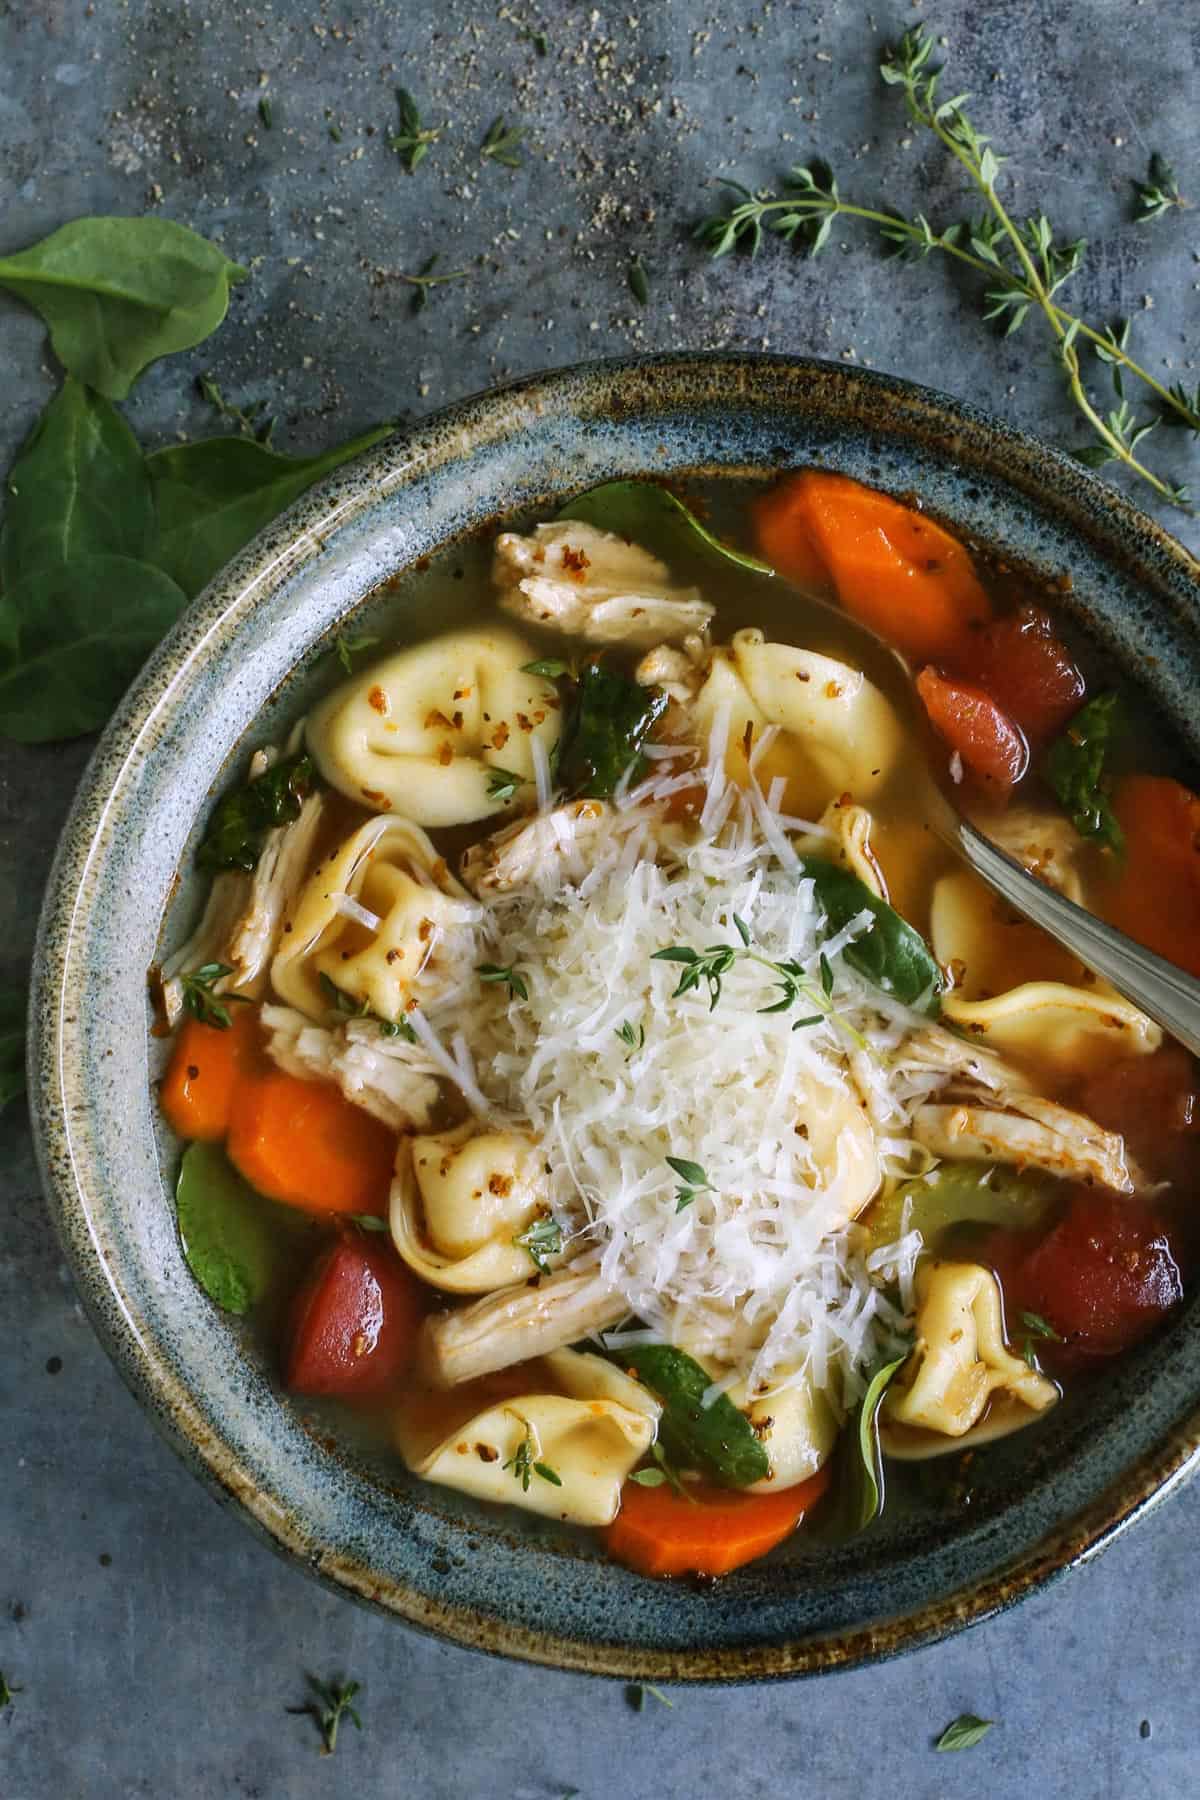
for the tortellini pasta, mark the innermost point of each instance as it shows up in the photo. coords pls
(840, 1143)
(424, 732)
(795, 1426)
(960, 1367)
(850, 828)
(382, 919)
(460, 1199)
(591, 1434)
(838, 732)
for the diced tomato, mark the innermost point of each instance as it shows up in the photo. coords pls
(1103, 1277)
(1028, 671)
(1154, 1103)
(354, 1323)
(1155, 893)
(992, 747)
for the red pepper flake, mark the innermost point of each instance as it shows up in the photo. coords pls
(446, 755)
(575, 561)
(379, 700)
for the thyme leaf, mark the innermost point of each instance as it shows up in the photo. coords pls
(639, 281)
(1156, 196)
(635, 1038)
(964, 1732)
(424, 281)
(543, 1239)
(502, 143)
(523, 1461)
(503, 784)
(507, 973)
(331, 1702)
(248, 419)
(347, 648)
(7, 1691)
(413, 140)
(693, 1177)
(361, 1009)
(196, 990)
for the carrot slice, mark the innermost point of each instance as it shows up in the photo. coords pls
(303, 1142)
(197, 1092)
(659, 1532)
(991, 746)
(890, 566)
(784, 538)
(1156, 895)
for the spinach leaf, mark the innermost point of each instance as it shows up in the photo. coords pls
(964, 1732)
(606, 726)
(212, 497)
(76, 634)
(891, 955)
(77, 488)
(224, 1229)
(243, 817)
(717, 1440)
(1074, 767)
(855, 1495)
(652, 516)
(13, 1003)
(117, 294)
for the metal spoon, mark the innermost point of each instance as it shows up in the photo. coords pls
(1164, 992)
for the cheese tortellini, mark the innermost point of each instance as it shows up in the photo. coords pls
(459, 1201)
(383, 920)
(795, 1426)
(424, 732)
(960, 1368)
(837, 731)
(590, 1433)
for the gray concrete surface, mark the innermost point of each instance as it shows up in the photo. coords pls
(156, 1644)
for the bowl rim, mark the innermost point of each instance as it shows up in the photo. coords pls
(1088, 505)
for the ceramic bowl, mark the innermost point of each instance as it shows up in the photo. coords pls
(1043, 1502)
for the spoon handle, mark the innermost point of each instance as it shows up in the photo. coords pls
(1168, 995)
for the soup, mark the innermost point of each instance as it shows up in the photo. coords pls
(597, 1073)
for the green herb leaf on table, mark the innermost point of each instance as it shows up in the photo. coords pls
(654, 517)
(249, 420)
(636, 1692)
(224, 1229)
(78, 488)
(14, 1001)
(639, 281)
(196, 988)
(413, 140)
(1074, 767)
(543, 1239)
(243, 816)
(892, 956)
(116, 294)
(502, 143)
(425, 280)
(76, 634)
(608, 721)
(964, 1732)
(213, 496)
(331, 1702)
(717, 1440)
(1159, 192)
(7, 1691)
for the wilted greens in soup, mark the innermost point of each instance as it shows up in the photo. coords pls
(672, 1130)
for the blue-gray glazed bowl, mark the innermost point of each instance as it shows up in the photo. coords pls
(1048, 1500)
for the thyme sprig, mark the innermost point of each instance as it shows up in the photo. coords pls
(632, 1035)
(506, 973)
(7, 1691)
(503, 784)
(196, 991)
(414, 139)
(331, 1703)
(1023, 263)
(712, 965)
(694, 1179)
(1036, 1327)
(356, 1009)
(662, 1475)
(523, 1464)
(249, 419)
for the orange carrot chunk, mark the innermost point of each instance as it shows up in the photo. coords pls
(303, 1142)
(784, 538)
(207, 1063)
(659, 1532)
(1156, 895)
(890, 566)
